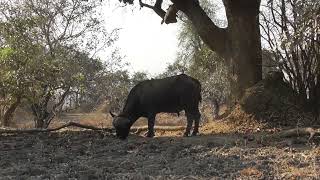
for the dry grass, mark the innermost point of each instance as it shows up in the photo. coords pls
(299, 165)
(237, 122)
(252, 172)
(96, 119)
(220, 152)
(101, 119)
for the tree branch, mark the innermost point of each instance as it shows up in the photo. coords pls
(70, 124)
(211, 34)
(156, 8)
(135, 130)
(138, 130)
(62, 98)
(308, 131)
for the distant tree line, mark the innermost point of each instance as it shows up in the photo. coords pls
(48, 62)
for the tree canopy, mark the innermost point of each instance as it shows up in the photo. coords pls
(46, 50)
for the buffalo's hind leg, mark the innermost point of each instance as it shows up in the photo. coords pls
(196, 124)
(193, 115)
(151, 120)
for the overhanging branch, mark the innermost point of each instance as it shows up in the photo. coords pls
(167, 17)
(214, 36)
(156, 8)
(171, 15)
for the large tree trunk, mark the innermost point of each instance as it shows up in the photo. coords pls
(40, 114)
(8, 115)
(42, 117)
(244, 55)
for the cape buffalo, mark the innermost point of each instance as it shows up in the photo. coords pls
(171, 95)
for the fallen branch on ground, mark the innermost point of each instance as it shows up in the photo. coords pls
(69, 124)
(296, 132)
(138, 130)
(74, 124)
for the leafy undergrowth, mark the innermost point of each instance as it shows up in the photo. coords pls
(218, 152)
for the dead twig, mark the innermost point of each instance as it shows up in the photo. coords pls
(138, 130)
(69, 124)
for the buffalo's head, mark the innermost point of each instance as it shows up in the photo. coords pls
(122, 126)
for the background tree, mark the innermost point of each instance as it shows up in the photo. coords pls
(18, 61)
(291, 32)
(238, 44)
(138, 77)
(120, 83)
(115, 87)
(51, 37)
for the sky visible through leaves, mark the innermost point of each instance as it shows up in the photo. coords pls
(146, 44)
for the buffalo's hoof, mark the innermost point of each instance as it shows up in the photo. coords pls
(150, 135)
(194, 133)
(186, 134)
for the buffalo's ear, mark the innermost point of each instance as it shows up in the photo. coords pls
(113, 115)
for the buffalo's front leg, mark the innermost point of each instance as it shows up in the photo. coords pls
(196, 124)
(189, 126)
(150, 132)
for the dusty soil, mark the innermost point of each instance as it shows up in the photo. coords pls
(88, 154)
(221, 151)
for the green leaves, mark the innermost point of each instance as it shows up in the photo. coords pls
(5, 53)
(42, 52)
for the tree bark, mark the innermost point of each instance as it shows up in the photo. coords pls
(8, 115)
(316, 99)
(43, 116)
(245, 56)
(216, 109)
(212, 35)
(40, 114)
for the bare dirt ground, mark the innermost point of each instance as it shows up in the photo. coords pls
(217, 153)
(237, 147)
